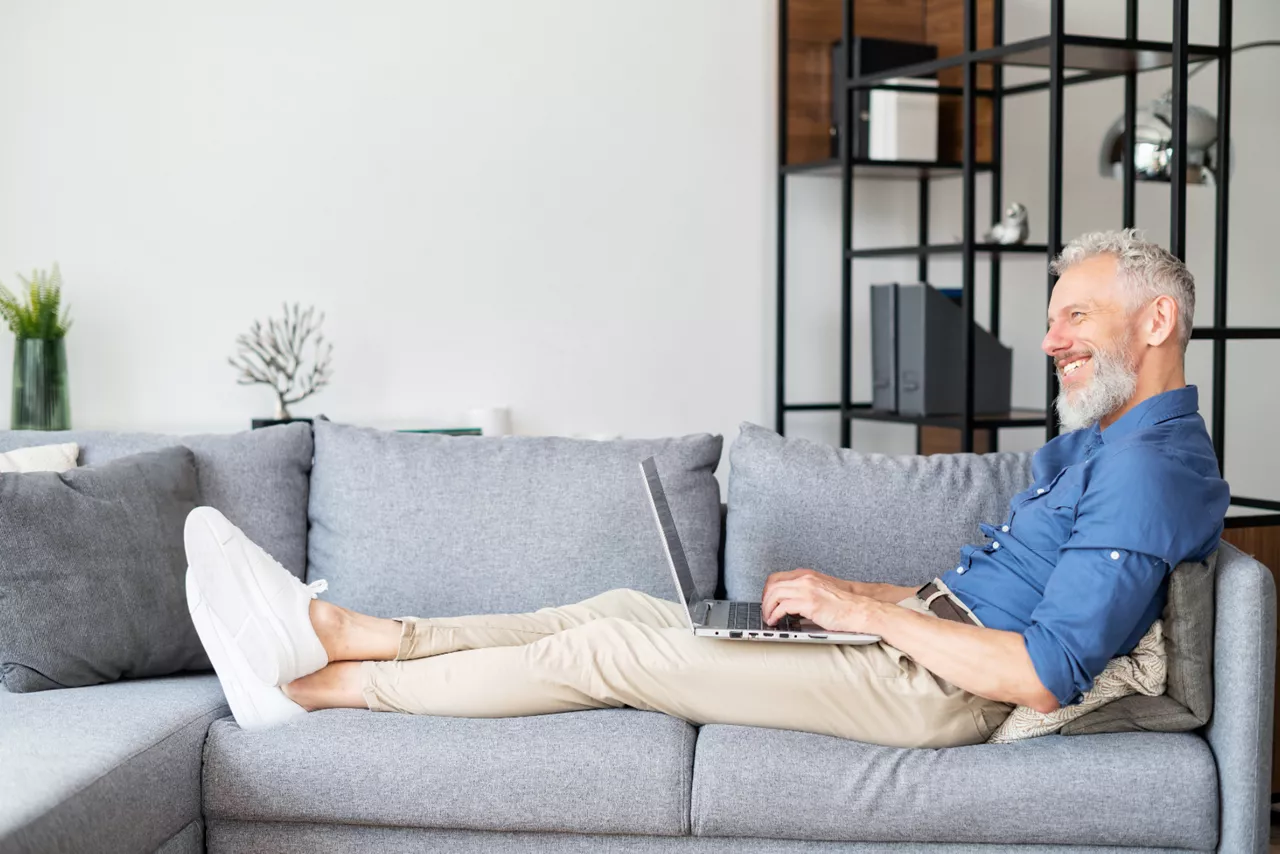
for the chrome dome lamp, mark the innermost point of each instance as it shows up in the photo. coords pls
(1153, 145)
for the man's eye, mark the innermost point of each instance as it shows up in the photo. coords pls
(1077, 316)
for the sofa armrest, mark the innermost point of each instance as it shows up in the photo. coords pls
(1244, 669)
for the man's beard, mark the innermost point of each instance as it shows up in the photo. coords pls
(1114, 380)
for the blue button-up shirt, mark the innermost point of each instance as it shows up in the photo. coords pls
(1080, 565)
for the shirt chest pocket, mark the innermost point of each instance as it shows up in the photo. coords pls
(1046, 518)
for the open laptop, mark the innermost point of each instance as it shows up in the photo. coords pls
(711, 618)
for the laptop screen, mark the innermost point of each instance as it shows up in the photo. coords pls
(670, 538)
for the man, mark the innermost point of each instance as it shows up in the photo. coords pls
(1073, 576)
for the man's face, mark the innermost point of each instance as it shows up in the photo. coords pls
(1089, 340)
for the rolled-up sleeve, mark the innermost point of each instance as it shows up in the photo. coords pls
(1092, 603)
(1131, 526)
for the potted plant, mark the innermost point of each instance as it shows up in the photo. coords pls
(275, 355)
(39, 323)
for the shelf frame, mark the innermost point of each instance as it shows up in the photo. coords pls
(1069, 60)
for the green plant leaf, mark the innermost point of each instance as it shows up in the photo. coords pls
(41, 314)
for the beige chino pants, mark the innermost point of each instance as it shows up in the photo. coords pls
(625, 648)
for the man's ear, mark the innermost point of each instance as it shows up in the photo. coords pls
(1162, 320)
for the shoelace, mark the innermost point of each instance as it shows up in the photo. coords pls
(317, 587)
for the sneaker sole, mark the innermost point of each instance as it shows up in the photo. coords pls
(254, 705)
(231, 590)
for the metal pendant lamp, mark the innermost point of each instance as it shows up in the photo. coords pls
(1152, 141)
(1153, 145)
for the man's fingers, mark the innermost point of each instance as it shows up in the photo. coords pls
(787, 606)
(774, 593)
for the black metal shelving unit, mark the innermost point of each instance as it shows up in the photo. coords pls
(1070, 60)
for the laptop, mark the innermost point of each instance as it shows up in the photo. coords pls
(710, 618)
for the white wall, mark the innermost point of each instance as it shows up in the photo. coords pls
(561, 206)
(564, 205)
(885, 214)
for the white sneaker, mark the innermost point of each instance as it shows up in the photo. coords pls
(255, 706)
(264, 608)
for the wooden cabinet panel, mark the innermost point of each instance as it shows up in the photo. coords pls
(944, 27)
(814, 25)
(946, 440)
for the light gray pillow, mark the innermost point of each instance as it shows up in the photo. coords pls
(406, 524)
(1187, 702)
(91, 573)
(865, 517)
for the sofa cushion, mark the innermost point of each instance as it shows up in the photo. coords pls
(91, 573)
(107, 768)
(866, 517)
(607, 771)
(406, 524)
(1129, 789)
(258, 479)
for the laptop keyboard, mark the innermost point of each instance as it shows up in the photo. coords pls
(747, 615)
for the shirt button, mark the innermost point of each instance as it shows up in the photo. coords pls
(995, 545)
(959, 570)
(1004, 528)
(1115, 555)
(1039, 492)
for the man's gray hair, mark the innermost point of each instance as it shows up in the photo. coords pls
(1147, 271)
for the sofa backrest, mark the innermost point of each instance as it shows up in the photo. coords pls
(865, 517)
(259, 479)
(408, 524)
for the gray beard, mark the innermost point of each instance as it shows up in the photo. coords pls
(1114, 381)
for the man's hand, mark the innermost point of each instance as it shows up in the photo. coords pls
(832, 603)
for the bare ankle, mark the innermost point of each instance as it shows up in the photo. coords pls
(337, 686)
(330, 622)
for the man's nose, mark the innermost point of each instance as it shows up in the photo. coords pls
(1054, 341)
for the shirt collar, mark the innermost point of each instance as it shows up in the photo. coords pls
(1174, 403)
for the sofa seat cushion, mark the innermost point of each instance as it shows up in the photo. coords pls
(606, 771)
(1125, 789)
(111, 767)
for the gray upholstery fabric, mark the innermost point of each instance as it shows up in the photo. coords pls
(108, 768)
(91, 573)
(189, 840)
(603, 771)
(1244, 659)
(258, 479)
(1188, 637)
(1088, 790)
(866, 517)
(236, 837)
(407, 524)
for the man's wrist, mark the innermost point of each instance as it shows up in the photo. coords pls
(876, 617)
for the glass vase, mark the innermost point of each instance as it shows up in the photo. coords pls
(40, 400)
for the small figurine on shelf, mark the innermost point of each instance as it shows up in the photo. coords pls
(273, 355)
(1014, 228)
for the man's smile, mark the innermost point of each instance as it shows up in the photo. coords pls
(1069, 367)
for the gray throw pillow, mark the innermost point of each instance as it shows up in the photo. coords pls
(1188, 637)
(91, 573)
(258, 478)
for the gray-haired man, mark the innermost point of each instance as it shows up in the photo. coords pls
(1074, 575)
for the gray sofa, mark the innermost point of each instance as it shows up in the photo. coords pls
(435, 525)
